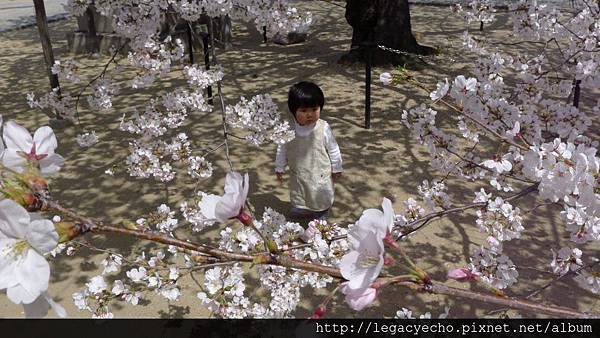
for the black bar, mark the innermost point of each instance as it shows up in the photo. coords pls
(161, 328)
(264, 34)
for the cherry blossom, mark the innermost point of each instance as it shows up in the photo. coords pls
(440, 91)
(358, 299)
(22, 149)
(24, 272)
(375, 220)
(363, 263)
(231, 204)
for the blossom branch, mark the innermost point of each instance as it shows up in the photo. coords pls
(425, 219)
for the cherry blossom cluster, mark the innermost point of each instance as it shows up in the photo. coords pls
(493, 268)
(60, 105)
(542, 130)
(103, 91)
(66, 70)
(261, 118)
(156, 273)
(478, 11)
(151, 155)
(202, 78)
(499, 219)
(155, 59)
(315, 244)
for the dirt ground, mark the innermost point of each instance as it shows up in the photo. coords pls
(379, 162)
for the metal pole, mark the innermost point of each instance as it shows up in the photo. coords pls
(264, 34)
(190, 43)
(368, 67)
(40, 16)
(205, 41)
(576, 93)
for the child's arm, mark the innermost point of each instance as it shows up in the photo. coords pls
(280, 162)
(335, 156)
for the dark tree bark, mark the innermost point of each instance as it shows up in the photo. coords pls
(381, 22)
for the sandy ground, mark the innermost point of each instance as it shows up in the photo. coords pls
(381, 161)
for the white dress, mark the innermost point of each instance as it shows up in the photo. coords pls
(312, 156)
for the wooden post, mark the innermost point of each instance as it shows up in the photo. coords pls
(92, 38)
(264, 34)
(40, 16)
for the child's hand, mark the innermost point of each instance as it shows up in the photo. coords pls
(279, 177)
(336, 176)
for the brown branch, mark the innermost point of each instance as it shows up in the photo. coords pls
(289, 262)
(525, 305)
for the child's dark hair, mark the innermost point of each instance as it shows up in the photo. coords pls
(305, 94)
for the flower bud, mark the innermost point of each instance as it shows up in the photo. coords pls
(461, 274)
(319, 312)
(387, 260)
(33, 181)
(127, 224)
(272, 246)
(66, 231)
(244, 218)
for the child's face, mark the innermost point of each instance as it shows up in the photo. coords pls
(308, 115)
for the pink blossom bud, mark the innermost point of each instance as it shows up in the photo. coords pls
(319, 313)
(244, 218)
(309, 233)
(461, 274)
(387, 260)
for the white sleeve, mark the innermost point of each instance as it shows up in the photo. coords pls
(333, 149)
(280, 159)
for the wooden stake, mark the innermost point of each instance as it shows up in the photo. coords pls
(40, 16)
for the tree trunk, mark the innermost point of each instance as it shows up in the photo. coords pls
(381, 22)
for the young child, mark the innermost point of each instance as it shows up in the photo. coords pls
(313, 157)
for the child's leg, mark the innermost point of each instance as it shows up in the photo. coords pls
(299, 213)
(303, 214)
